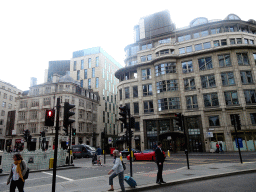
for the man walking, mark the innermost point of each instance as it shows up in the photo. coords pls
(98, 153)
(159, 161)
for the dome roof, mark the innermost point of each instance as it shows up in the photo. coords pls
(68, 79)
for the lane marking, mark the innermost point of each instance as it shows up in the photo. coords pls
(59, 176)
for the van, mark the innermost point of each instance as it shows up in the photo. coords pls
(80, 151)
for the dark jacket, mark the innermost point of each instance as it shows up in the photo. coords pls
(23, 168)
(159, 155)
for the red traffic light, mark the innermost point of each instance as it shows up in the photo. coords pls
(49, 117)
(49, 113)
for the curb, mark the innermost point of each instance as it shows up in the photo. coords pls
(200, 178)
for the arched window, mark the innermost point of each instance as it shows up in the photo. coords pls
(198, 21)
(232, 17)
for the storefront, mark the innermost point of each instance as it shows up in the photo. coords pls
(19, 145)
(137, 142)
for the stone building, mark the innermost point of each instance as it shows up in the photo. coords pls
(206, 71)
(8, 94)
(32, 106)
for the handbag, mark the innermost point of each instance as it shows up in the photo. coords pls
(124, 166)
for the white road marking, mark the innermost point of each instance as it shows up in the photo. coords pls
(59, 176)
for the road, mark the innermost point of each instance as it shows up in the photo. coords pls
(244, 182)
(86, 170)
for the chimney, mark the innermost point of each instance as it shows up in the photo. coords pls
(55, 78)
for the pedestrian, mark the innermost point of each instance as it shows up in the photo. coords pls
(217, 147)
(154, 146)
(160, 157)
(99, 152)
(117, 170)
(221, 150)
(18, 170)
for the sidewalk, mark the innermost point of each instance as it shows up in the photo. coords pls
(147, 180)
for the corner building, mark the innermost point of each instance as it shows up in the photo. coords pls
(205, 71)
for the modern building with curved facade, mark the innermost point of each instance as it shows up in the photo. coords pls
(205, 71)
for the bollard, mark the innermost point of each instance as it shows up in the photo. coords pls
(121, 158)
(169, 154)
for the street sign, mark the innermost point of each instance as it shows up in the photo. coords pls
(110, 140)
(209, 134)
(240, 140)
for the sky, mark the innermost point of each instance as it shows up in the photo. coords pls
(34, 32)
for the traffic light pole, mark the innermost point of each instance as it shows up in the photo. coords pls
(69, 144)
(235, 126)
(186, 142)
(56, 145)
(130, 141)
(104, 140)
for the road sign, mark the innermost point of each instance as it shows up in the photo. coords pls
(110, 140)
(240, 140)
(209, 134)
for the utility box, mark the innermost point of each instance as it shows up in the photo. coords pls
(1, 161)
(51, 160)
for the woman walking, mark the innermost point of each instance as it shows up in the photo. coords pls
(18, 170)
(117, 170)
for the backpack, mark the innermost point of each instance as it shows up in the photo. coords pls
(27, 172)
(124, 166)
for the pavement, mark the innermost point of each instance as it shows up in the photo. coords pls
(147, 180)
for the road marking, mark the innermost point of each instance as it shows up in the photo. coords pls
(59, 176)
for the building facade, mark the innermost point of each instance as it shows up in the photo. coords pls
(60, 67)
(205, 71)
(8, 94)
(95, 69)
(31, 109)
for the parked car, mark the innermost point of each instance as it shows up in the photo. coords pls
(148, 154)
(80, 151)
(126, 152)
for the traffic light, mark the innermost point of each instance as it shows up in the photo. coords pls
(49, 117)
(67, 114)
(73, 131)
(42, 134)
(29, 138)
(178, 117)
(25, 134)
(131, 134)
(132, 119)
(123, 113)
(102, 135)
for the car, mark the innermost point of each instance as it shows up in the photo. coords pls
(148, 154)
(80, 151)
(125, 152)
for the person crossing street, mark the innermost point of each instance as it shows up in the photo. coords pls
(160, 157)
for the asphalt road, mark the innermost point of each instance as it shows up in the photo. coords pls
(86, 170)
(243, 183)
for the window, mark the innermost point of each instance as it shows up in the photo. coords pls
(89, 62)
(33, 114)
(149, 57)
(85, 74)
(126, 92)
(231, 98)
(223, 42)
(211, 100)
(168, 103)
(97, 82)
(120, 94)
(165, 68)
(239, 41)
(208, 81)
(89, 84)
(148, 107)
(78, 75)
(246, 41)
(146, 74)
(254, 57)
(224, 60)
(135, 91)
(23, 104)
(147, 89)
(4, 104)
(82, 83)
(147, 46)
(216, 43)
(232, 41)
(182, 50)
(82, 64)
(250, 96)
(9, 106)
(198, 47)
(189, 49)
(214, 121)
(2, 113)
(191, 102)
(246, 77)
(11, 98)
(242, 59)
(5, 96)
(74, 66)
(143, 58)
(251, 42)
(35, 103)
(136, 108)
(93, 72)
(1, 121)
(253, 118)
(187, 67)
(22, 115)
(227, 78)
(215, 31)
(207, 45)
(47, 101)
(97, 62)
(205, 63)
(189, 84)
(184, 38)
(167, 85)
(164, 41)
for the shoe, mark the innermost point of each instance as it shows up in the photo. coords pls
(111, 190)
(163, 182)
(158, 182)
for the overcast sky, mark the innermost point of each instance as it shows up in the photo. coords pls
(32, 33)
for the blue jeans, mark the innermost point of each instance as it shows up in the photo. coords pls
(121, 179)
